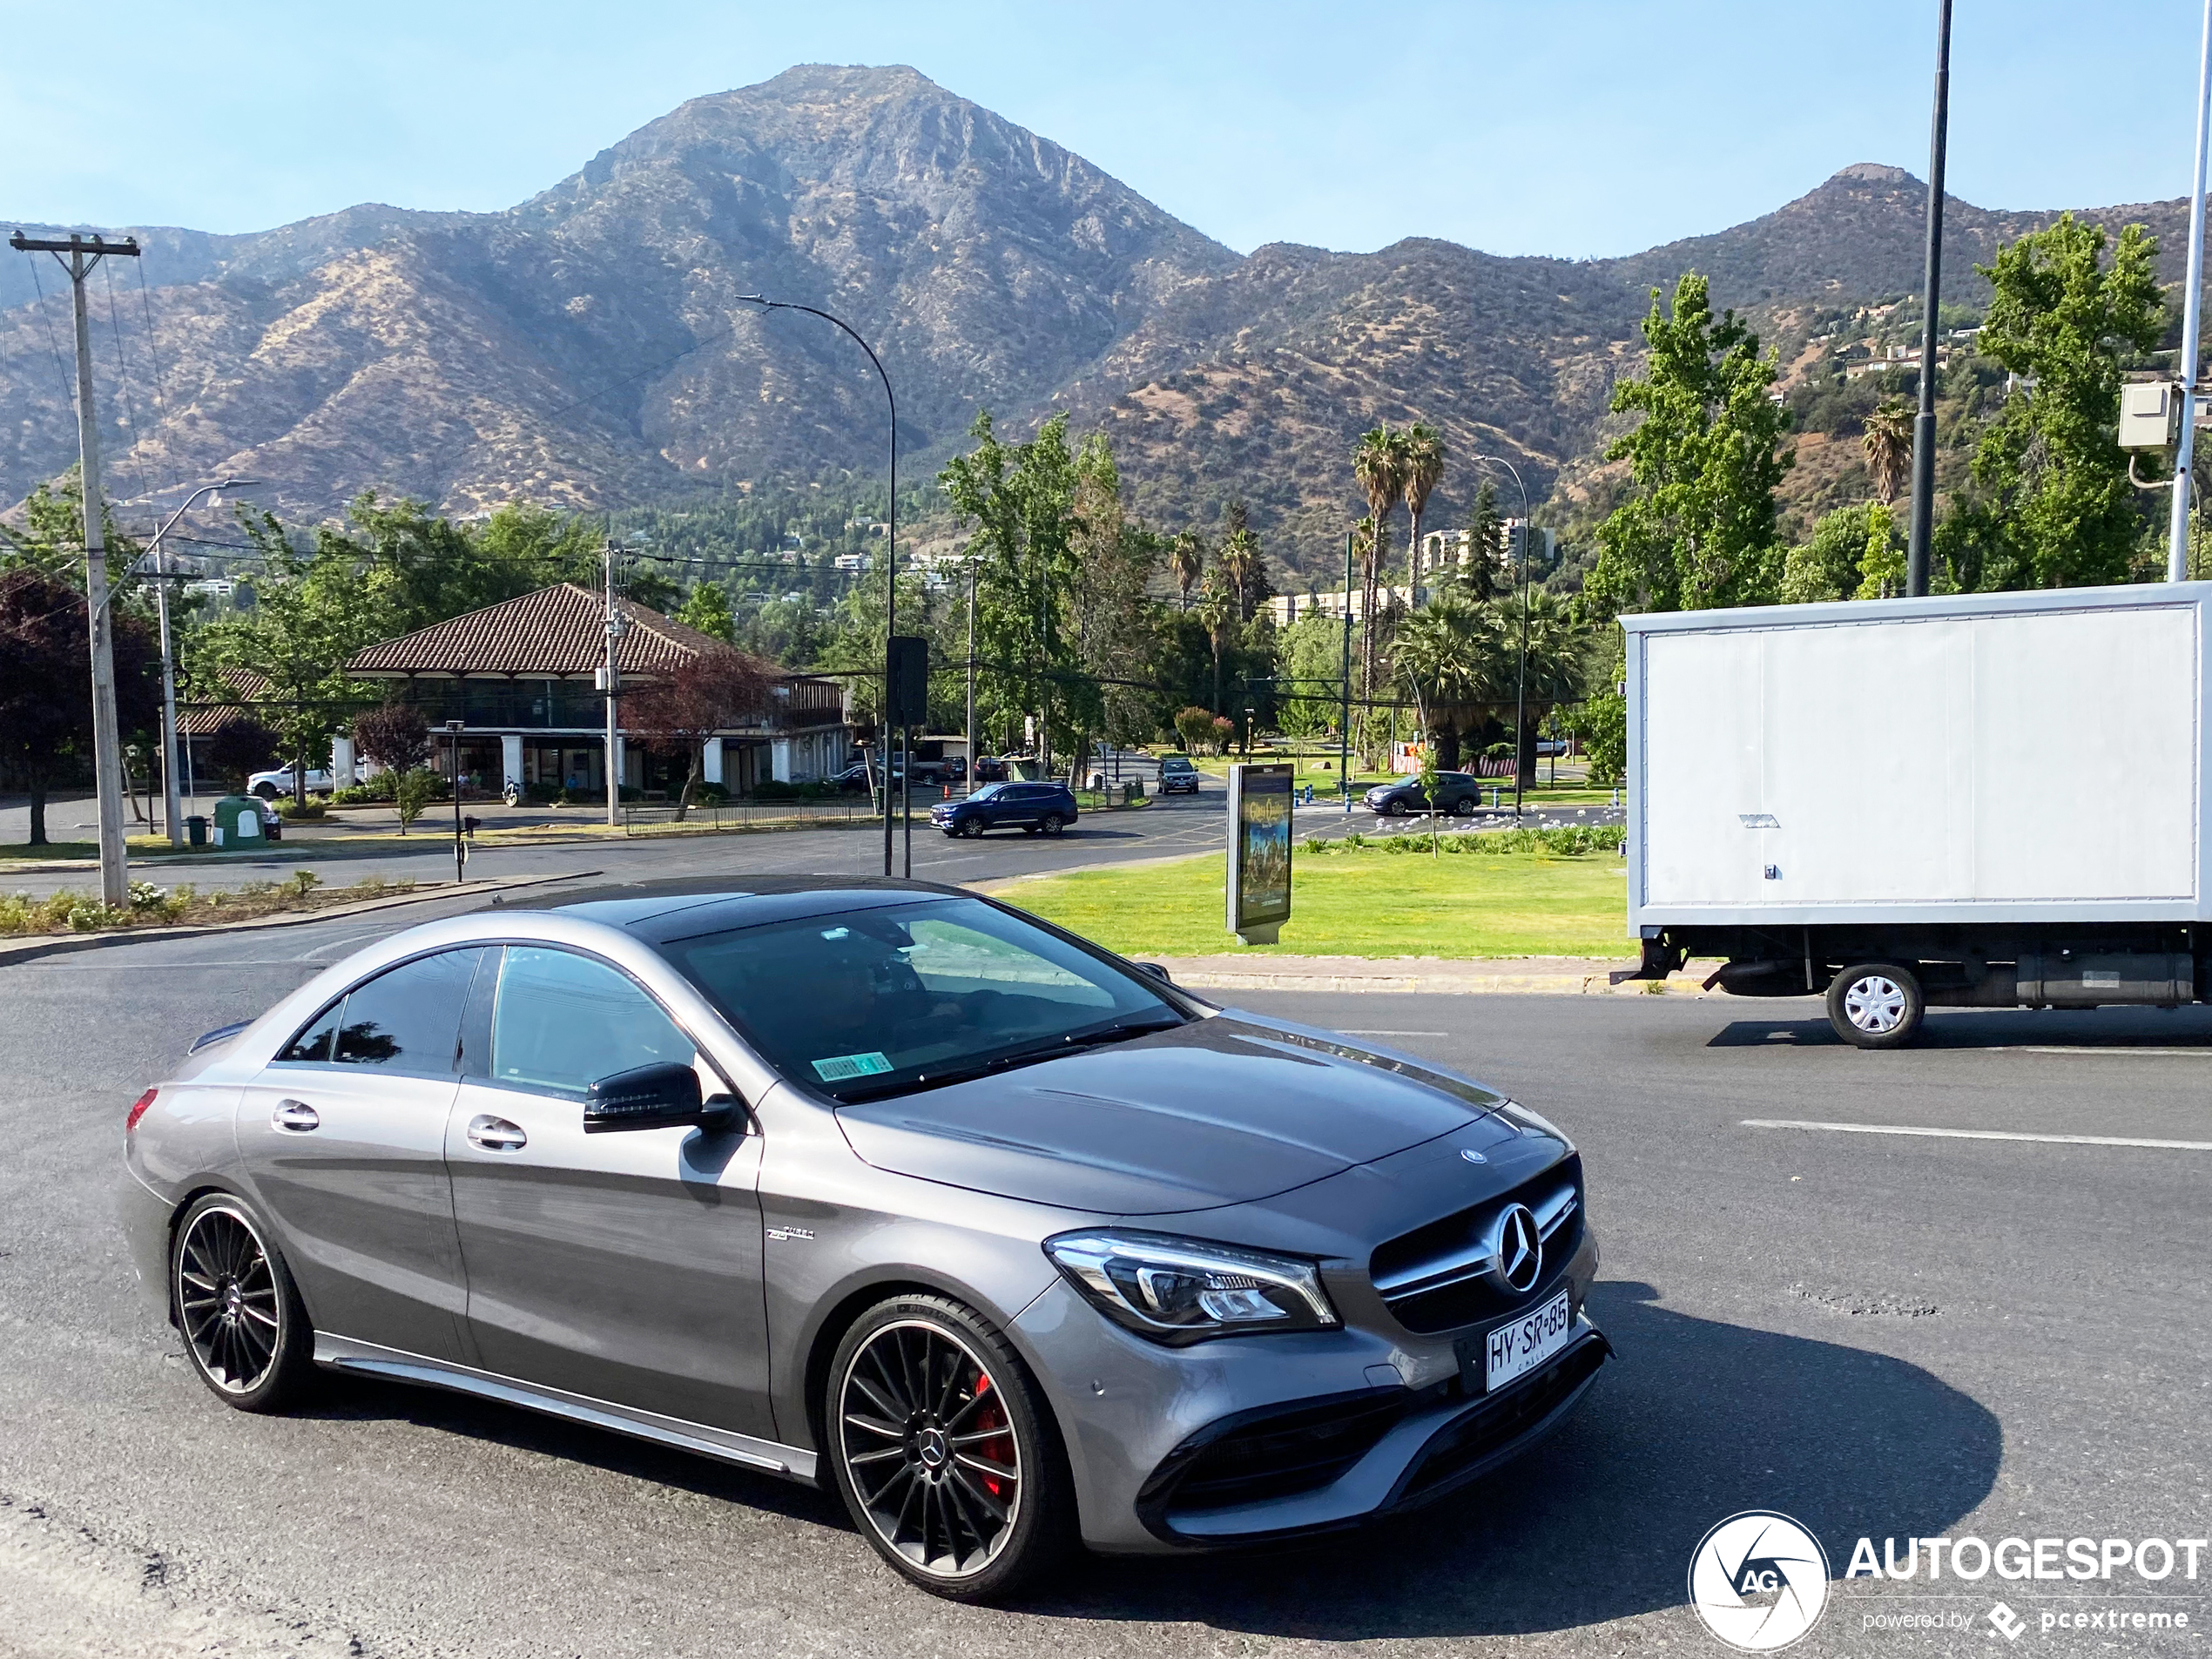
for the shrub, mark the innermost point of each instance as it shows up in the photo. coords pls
(373, 792)
(294, 812)
(416, 791)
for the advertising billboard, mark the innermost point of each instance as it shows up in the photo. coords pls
(1259, 852)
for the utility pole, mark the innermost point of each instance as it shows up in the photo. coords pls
(1916, 556)
(157, 563)
(1344, 726)
(85, 253)
(972, 666)
(610, 679)
(2177, 549)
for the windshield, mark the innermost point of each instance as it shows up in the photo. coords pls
(988, 792)
(1177, 765)
(859, 1004)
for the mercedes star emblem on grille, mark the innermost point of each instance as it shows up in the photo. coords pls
(1517, 1254)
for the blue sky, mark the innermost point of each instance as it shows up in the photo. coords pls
(1555, 126)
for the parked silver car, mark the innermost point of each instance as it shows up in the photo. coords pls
(881, 1186)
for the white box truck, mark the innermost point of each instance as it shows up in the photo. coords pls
(1990, 800)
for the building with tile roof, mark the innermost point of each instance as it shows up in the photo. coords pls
(521, 676)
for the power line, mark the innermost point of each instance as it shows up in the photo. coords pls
(61, 376)
(160, 384)
(122, 380)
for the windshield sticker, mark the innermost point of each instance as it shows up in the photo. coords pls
(840, 1068)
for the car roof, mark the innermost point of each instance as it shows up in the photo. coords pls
(665, 910)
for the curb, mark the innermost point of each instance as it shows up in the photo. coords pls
(1427, 979)
(66, 944)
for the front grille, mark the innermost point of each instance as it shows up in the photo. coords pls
(1299, 1451)
(1434, 1278)
(1515, 1413)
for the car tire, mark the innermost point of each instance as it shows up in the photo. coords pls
(973, 828)
(245, 1330)
(1463, 807)
(1393, 808)
(1052, 824)
(997, 1513)
(266, 791)
(1877, 1005)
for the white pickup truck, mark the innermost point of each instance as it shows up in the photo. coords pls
(270, 785)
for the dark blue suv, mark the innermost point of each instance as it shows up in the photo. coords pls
(1031, 807)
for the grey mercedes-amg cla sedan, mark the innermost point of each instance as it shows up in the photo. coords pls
(884, 1186)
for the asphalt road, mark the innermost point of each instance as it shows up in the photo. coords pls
(1171, 826)
(1877, 1334)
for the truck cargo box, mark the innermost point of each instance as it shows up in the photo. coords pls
(1988, 757)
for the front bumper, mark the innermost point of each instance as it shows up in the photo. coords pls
(1250, 1440)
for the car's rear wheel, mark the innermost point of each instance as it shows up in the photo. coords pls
(1876, 1005)
(244, 1327)
(1052, 823)
(1463, 808)
(944, 1451)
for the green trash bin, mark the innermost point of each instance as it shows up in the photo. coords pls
(238, 823)
(196, 830)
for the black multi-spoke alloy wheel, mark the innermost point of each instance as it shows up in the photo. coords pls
(1053, 824)
(972, 829)
(944, 1451)
(242, 1321)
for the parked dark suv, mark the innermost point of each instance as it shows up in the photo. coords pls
(1457, 792)
(1177, 774)
(1031, 807)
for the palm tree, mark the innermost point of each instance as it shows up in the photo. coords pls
(1378, 468)
(1888, 444)
(1187, 561)
(1424, 458)
(1453, 656)
(1558, 665)
(1238, 562)
(1217, 613)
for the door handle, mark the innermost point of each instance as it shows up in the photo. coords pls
(295, 1116)
(495, 1134)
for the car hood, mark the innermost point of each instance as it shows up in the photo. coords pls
(1223, 1110)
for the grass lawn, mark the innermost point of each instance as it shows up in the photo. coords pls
(1364, 902)
(139, 846)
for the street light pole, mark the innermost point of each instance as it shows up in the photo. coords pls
(1344, 726)
(460, 850)
(170, 805)
(1916, 556)
(1520, 577)
(2178, 548)
(890, 535)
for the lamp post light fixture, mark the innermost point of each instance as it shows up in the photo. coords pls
(1521, 578)
(891, 543)
(155, 566)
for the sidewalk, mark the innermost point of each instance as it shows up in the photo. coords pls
(1428, 975)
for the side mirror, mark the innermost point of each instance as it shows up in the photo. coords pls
(661, 1095)
(1157, 971)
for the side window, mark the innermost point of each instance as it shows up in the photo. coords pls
(561, 1022)
(409, 1019)
(312, 1045)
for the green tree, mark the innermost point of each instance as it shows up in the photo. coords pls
(1187, 561)
(1021, 499)
(1310, 655)
(1379, 466)
(1887, 442)
(2049, 504)
(1452, 657)
(1240, 560)
(707, 608)
(1486, 540)
(311, 613)
(1116, 625)
(1697, 527)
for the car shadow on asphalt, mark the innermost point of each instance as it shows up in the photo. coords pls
(2112, 1027)
(1694, 1421)
(346, 1397)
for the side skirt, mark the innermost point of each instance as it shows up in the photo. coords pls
(368, 1358)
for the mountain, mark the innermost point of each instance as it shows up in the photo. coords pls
(589, 347)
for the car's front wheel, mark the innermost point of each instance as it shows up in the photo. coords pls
(244, 1326)
(944, 1451)
(1393, 808)
(972, 829)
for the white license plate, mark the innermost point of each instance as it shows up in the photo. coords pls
(1517, 1349)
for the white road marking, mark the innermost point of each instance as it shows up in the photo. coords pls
(1343, 1032)
(1979, 1134)
(2184, 1054)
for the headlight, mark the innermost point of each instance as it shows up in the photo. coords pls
(1183, 1289)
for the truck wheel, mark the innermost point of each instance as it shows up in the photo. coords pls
(1876, 1005)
